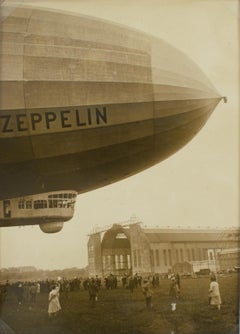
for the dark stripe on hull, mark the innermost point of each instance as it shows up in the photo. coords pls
(70, 142)
(89, 170)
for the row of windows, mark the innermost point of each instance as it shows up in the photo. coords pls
(118, 261)
(178, 255)
(43, 204)
(67, 195)
(24, 204)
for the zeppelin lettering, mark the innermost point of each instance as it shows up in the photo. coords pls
(37, 122)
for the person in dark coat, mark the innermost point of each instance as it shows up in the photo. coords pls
(93, 291)
(147, 292)
(19, 293)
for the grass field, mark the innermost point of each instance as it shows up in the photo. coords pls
(122, 312)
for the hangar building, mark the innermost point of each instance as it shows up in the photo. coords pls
(130, 248)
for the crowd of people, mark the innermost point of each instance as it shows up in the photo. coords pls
(27, 292)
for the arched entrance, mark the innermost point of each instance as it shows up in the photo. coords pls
(116, 252)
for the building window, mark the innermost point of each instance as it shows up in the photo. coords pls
(205, 254)
(21, 204)
(152, 258)
(157, 258)
(116, 262)
(165, 257)
(170, 256)
(177, 256)
(128, 261)
(188, 254)
(28, 204)
(109, 261)
(181, 255)
(121, 236)
(121, 261)
(193, 254)
(200, 254)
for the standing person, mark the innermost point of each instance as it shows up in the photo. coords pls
(174, 288)
(33, 293)
(177, 278)
(19, 293)
(131, 284)
(26, 294)
(214, 293)
(93, 291)
(174, 292)
(54, 305)
(66, 288)
(124, 281)
(38, 287)
(147, 292)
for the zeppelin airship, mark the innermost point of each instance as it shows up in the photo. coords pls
(85, 103)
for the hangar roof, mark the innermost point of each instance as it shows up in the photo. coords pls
(173, 235)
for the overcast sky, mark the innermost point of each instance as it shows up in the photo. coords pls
(196, 187)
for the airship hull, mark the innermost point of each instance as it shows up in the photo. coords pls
(86, 103)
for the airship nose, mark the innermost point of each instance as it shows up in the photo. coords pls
(183, 120)
(184, 98)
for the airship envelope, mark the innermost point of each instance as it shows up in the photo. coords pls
(85, 102)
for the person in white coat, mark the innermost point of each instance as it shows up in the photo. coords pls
(54, 305)
(214, 293)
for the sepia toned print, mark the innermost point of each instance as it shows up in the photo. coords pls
(92, 94)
